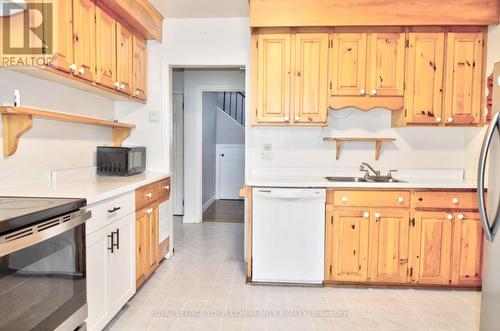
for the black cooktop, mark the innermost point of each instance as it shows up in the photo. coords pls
(17, 212)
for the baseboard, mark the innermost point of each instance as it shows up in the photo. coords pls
(208, 203)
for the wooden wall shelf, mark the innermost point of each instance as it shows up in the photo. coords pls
(18, 120)
(378, 144)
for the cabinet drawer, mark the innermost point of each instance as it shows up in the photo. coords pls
(371, 198)
(110, 210)
(164, 189)
(445, 200)
(145, 195)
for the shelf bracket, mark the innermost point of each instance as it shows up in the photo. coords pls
(13, 126)
(378, 149)
(119, 135)
(338, 145)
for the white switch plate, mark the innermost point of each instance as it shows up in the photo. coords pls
(153, 116)
(267, 153)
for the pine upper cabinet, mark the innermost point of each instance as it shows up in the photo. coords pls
(432, 250)
(124, 60)
(467, 249)
(386, 64)
(105, 49)
(348, 64)
(424, 87)
(311, 78)
(84, 38)
(273, 86)
(464, 78)
(140, 68)
(349, 245)
(61, 32)
(389, 240)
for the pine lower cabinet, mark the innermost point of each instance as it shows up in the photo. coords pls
(403, 238)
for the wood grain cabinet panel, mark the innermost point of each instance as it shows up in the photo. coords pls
(140, 67)
(105, 49)
(367, 199)
(349, 246)
(124, 60)
(61, 32)
(348, 64)
(386, 64)
(141, 246)
(274, 79)
(433, 243)
(467, 249)
(84, 38)
(311, 78)
(424, 82)
(464, 78)
(389, 235)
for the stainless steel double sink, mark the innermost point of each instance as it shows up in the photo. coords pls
(370, 179)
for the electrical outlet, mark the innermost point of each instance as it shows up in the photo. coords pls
(153, 116)
(267, 153)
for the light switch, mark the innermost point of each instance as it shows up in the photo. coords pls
(153, 116)
(267, 153)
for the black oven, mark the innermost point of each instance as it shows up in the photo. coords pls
(120, 161)
(43, 275)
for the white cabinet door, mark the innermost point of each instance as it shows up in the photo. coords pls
(97, 247)
(121, 264)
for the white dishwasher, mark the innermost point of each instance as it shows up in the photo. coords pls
(288, 235)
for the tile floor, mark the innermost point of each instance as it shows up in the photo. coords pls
(206, 277)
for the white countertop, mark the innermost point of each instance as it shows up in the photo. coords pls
(317, 181)
(94, 189)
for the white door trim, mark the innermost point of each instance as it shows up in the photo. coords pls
(217, 164)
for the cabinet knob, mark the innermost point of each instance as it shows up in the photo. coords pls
(344, 199)
(149, 211)
(460, 216)
(166, 187)
(450, 216)
(117, 85)
(373, 92)
(401, 199)
(149, 195)
(122, 87)
(81, 70)
(137, 92)
(73, 67)
(377, 215)
(286, 119)
(366, 214)
(362, 92)
(438, 119)
(450, 119)
(297, 118)
(455, 201)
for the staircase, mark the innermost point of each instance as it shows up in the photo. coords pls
(233, 104)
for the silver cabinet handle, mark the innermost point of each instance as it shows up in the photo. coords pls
(489, 230)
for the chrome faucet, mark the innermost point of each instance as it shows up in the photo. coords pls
(367, 168)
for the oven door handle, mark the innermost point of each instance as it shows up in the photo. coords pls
(37, 233)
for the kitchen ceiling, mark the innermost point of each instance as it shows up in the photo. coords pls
(201, 8)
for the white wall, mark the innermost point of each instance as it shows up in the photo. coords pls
(209, 157)
(49, 144)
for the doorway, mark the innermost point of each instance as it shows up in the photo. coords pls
(209, 143)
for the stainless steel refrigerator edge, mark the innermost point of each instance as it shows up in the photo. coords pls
(490, 215)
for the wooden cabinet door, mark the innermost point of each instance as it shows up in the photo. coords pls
(348, 64)
(467, 249)
(124, 60)
(311, 78)
(153, 229)
(84, 38)
(61, 32)
(424, 81)
(121, 273)
(464, 78)
(273, 86)
(141, 246)
(386, 64)
(140, 67)
(432, 260)
(105, 49)
(350, 245)
(389, 235)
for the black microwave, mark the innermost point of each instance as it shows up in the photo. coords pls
(120, 161)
